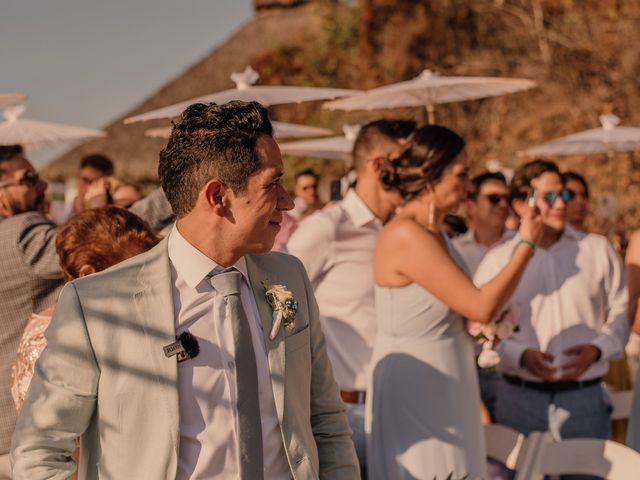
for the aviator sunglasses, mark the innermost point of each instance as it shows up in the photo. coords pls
(551, 197)
(30, 179)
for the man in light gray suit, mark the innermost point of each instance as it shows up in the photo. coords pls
(31, 276)
(250, 394)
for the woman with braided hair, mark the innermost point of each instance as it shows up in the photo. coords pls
(423, 417)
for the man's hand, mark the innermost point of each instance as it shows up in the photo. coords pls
(539, 364)
(584, 355)
(96, 195)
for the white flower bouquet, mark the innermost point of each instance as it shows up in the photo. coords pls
(489, 334)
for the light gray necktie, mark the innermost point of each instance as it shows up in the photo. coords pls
(228, 285)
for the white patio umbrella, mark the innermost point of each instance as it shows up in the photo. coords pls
(33, 134)
(246, 91)
(335, 148)
(430, 89)
(11, 98)
(607, 139)
(280, 130)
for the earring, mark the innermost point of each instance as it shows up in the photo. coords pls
(432, 214)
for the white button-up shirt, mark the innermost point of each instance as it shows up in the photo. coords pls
(336, 246)
(472, 252)
(573, 293)
(207, 384)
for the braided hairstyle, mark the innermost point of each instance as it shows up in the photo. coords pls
(428, 152)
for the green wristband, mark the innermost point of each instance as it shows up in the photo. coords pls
(529, 244)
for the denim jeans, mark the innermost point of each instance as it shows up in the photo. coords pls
(355, 413)
(580, 413)
(489, 380)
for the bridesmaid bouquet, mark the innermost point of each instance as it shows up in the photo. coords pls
(488, 335)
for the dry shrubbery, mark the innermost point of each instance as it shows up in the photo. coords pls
(583, 54)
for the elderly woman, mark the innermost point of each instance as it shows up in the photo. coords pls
(90, 242)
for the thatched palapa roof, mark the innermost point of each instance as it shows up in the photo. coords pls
(135, 155)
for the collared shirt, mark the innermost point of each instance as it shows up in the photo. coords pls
(336, 246)
(572, 293)
(472, 251)
(207, 385)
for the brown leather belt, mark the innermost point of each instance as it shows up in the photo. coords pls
(353, 397)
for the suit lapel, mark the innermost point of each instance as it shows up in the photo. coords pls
(275, 347)
(154, 309)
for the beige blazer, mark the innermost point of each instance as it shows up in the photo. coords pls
(104, 377)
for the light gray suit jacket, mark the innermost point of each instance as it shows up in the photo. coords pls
(30, 281)
(104, 377)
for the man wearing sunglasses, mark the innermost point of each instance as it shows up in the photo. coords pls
(31, 276)
(487, 211)
(571, 308)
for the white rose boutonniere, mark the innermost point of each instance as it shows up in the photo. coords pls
(284, 307)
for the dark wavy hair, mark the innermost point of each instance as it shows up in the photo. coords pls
(99, 162)
(428, 152)
(101, 237)
(210, 141)
(520, 187)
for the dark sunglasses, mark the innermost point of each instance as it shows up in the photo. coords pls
(573, 194)
(551, 197)
(495, 198)
(30, 179)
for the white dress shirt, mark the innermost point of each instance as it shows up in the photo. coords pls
(472, 251)
(573, 293)
(207, 386)
(336, 246)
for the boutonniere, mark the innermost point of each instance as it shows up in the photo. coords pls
(284, 307)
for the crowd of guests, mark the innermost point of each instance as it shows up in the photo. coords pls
(377, 380)
(403, 319)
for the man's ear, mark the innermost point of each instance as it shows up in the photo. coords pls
(375, 163)
(86, 269)
(215, 194)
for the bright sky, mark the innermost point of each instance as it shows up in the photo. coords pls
(85, 62)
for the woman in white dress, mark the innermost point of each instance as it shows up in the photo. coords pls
(423, 417)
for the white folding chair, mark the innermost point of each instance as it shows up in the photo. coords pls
(584, 456)
(621, 402)
(504, 444)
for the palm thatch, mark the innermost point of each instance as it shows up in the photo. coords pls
(135, 156)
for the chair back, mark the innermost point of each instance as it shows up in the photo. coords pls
(580, 456)
(504, 444)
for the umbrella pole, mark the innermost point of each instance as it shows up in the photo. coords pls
(431, 114)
